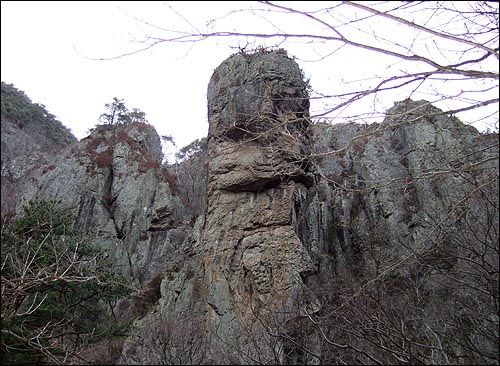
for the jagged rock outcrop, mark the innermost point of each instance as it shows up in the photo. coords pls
(113, 183)
(317, 239)
(257, 152)
(30, 136)
(395, 177)
(403, 208)
(401, 176)
(290, 242)
(192, 181)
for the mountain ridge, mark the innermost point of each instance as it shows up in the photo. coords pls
(284, 241)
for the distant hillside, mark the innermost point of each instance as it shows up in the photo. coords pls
(30, 136)
(33, 118)
(272, 241)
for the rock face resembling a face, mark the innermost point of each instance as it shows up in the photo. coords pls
(257, 144)
(254, 93)
(258, 111)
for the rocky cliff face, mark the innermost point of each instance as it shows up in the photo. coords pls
(319, 241)
(291, 242)
(395, 226)
(113, 182)
(31, 136)
(398, 179)
(258, 148)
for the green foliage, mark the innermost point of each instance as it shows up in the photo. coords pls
(194, 147)
(136, 115)
(118, 113)
(18, 108)
(55, 287)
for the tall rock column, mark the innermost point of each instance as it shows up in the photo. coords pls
(254, 261)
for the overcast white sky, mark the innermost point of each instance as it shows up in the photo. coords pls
(46, 46)
(42, 53)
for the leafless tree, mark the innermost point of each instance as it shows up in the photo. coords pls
(443, 52)
(171, 341)
(437, 301)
